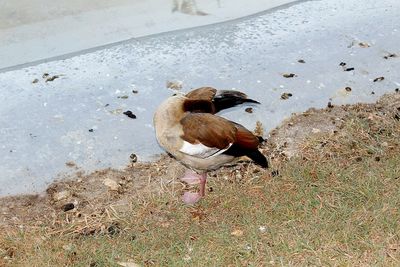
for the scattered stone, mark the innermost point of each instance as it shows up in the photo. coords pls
(135, 91)
(330, 105)
(35, 81)
(249, 110)
(372, 93)
(285, 96)
(237, 233)
(130, 114)
(116, 111)
(175, 85)
(45, 75)
(123, 97)
(68, 206)
(91, 130)
(133, 158)
(61, 195)
(301, 61)
(397, 90)
(289, 75)
(364, 44)
(106, 105)
(390, 55)
(342, 64)
(70, 164)
(348, 89)
(348, 69)
(262, 229)
(111, 184)
(52, 78)
(379, 79)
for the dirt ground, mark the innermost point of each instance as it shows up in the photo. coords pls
(86, 196)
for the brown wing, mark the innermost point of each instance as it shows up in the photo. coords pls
(216, 132)
(203, 93)
(245, 138)
(209, 130)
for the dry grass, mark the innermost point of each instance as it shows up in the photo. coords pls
(335, 202)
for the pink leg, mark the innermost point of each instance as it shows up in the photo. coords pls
(191, 197)
(203, 180)
(191, 177)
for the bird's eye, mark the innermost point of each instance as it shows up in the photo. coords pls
(175, 94)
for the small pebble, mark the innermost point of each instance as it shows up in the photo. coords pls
(364, 44)
(35, 81)
(342, 64)
(348, 89)
(61, 195)
(285, 96)
(123, 97)
(289, 75)
(133, 158)
(348, 69)
(330, 105)
(111, 184)
(379, 79)
(391, 55)
(91, 130)
(52, 78)
(262, 229)
(301, 61)
(397, 90)
(130, 114)
(135, 91)
(249, 110)
(68, 206)
(175, 85)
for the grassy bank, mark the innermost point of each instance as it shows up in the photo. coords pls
(333, 200)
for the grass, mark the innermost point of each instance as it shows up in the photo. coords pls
(335, 204)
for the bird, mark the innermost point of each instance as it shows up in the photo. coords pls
(188, 127)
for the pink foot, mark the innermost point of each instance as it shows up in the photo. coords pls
(191, 198)
(191, 178)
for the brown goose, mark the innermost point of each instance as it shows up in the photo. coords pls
(187, 128)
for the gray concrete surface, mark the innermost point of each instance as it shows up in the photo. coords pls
(37, 30)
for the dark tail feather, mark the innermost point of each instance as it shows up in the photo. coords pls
(258, 158)
(227, 99)
(254, 155)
